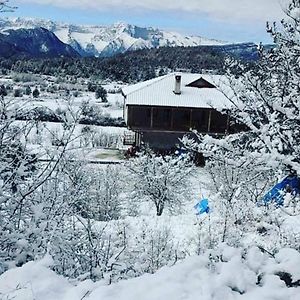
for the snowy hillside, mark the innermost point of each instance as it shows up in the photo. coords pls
(109, 40)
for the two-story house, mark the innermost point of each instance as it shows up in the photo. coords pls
(162, 110)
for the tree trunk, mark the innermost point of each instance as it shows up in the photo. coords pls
(159, 209)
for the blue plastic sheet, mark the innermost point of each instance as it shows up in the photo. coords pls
(290, 184)
(202, 207)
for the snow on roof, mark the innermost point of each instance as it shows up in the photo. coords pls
(159, 92)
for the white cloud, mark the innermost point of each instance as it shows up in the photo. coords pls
(234, 10)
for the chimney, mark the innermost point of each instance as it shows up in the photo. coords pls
(177, 90)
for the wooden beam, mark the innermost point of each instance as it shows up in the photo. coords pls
(209, 121)
(124, 107)
(227, 125)
(172, 118)
(138, 139)
(151, 123)
(129, 116)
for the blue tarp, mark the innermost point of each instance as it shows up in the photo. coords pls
(202, 207)
(291, 184)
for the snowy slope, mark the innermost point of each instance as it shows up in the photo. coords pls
(227, 274)
(108, 40)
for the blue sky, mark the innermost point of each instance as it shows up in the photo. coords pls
(230, 20)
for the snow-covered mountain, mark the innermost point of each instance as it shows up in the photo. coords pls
(33, 42)
(92, 40)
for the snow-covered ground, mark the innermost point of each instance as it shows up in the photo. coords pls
(224, 274)
(101, 143)
(60, 100)
(88, 142)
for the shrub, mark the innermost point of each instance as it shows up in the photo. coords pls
(35, 93)
(17, 93)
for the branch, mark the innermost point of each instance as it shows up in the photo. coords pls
(5, 7)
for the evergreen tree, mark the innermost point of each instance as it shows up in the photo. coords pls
(36, 93)
(17, 93)
(3, 91)
(92, 87)
(28, 91)
(101, 93)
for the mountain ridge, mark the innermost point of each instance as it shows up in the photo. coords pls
(108, 40)
(35, 42)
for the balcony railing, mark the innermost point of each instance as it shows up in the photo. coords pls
(129, 139)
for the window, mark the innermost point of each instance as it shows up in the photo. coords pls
(201, 83)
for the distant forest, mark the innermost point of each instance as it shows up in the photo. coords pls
(135, 66)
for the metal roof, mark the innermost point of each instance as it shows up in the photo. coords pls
(159, 92)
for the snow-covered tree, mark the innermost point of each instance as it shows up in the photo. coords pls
(161, 180)
(96, 193)
(6, 7)
(267, 98)
(245, 165)
(237, 191)
(28, 214)
(101, 93)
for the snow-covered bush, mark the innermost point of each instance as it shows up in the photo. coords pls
(112, 251)
(96, 192)
(83, 250)
(95, 138)
(237, 191)
(29, 208)
(150, 248)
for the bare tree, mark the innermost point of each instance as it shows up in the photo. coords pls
(27, 182)
(5, 7)
(160, 180)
